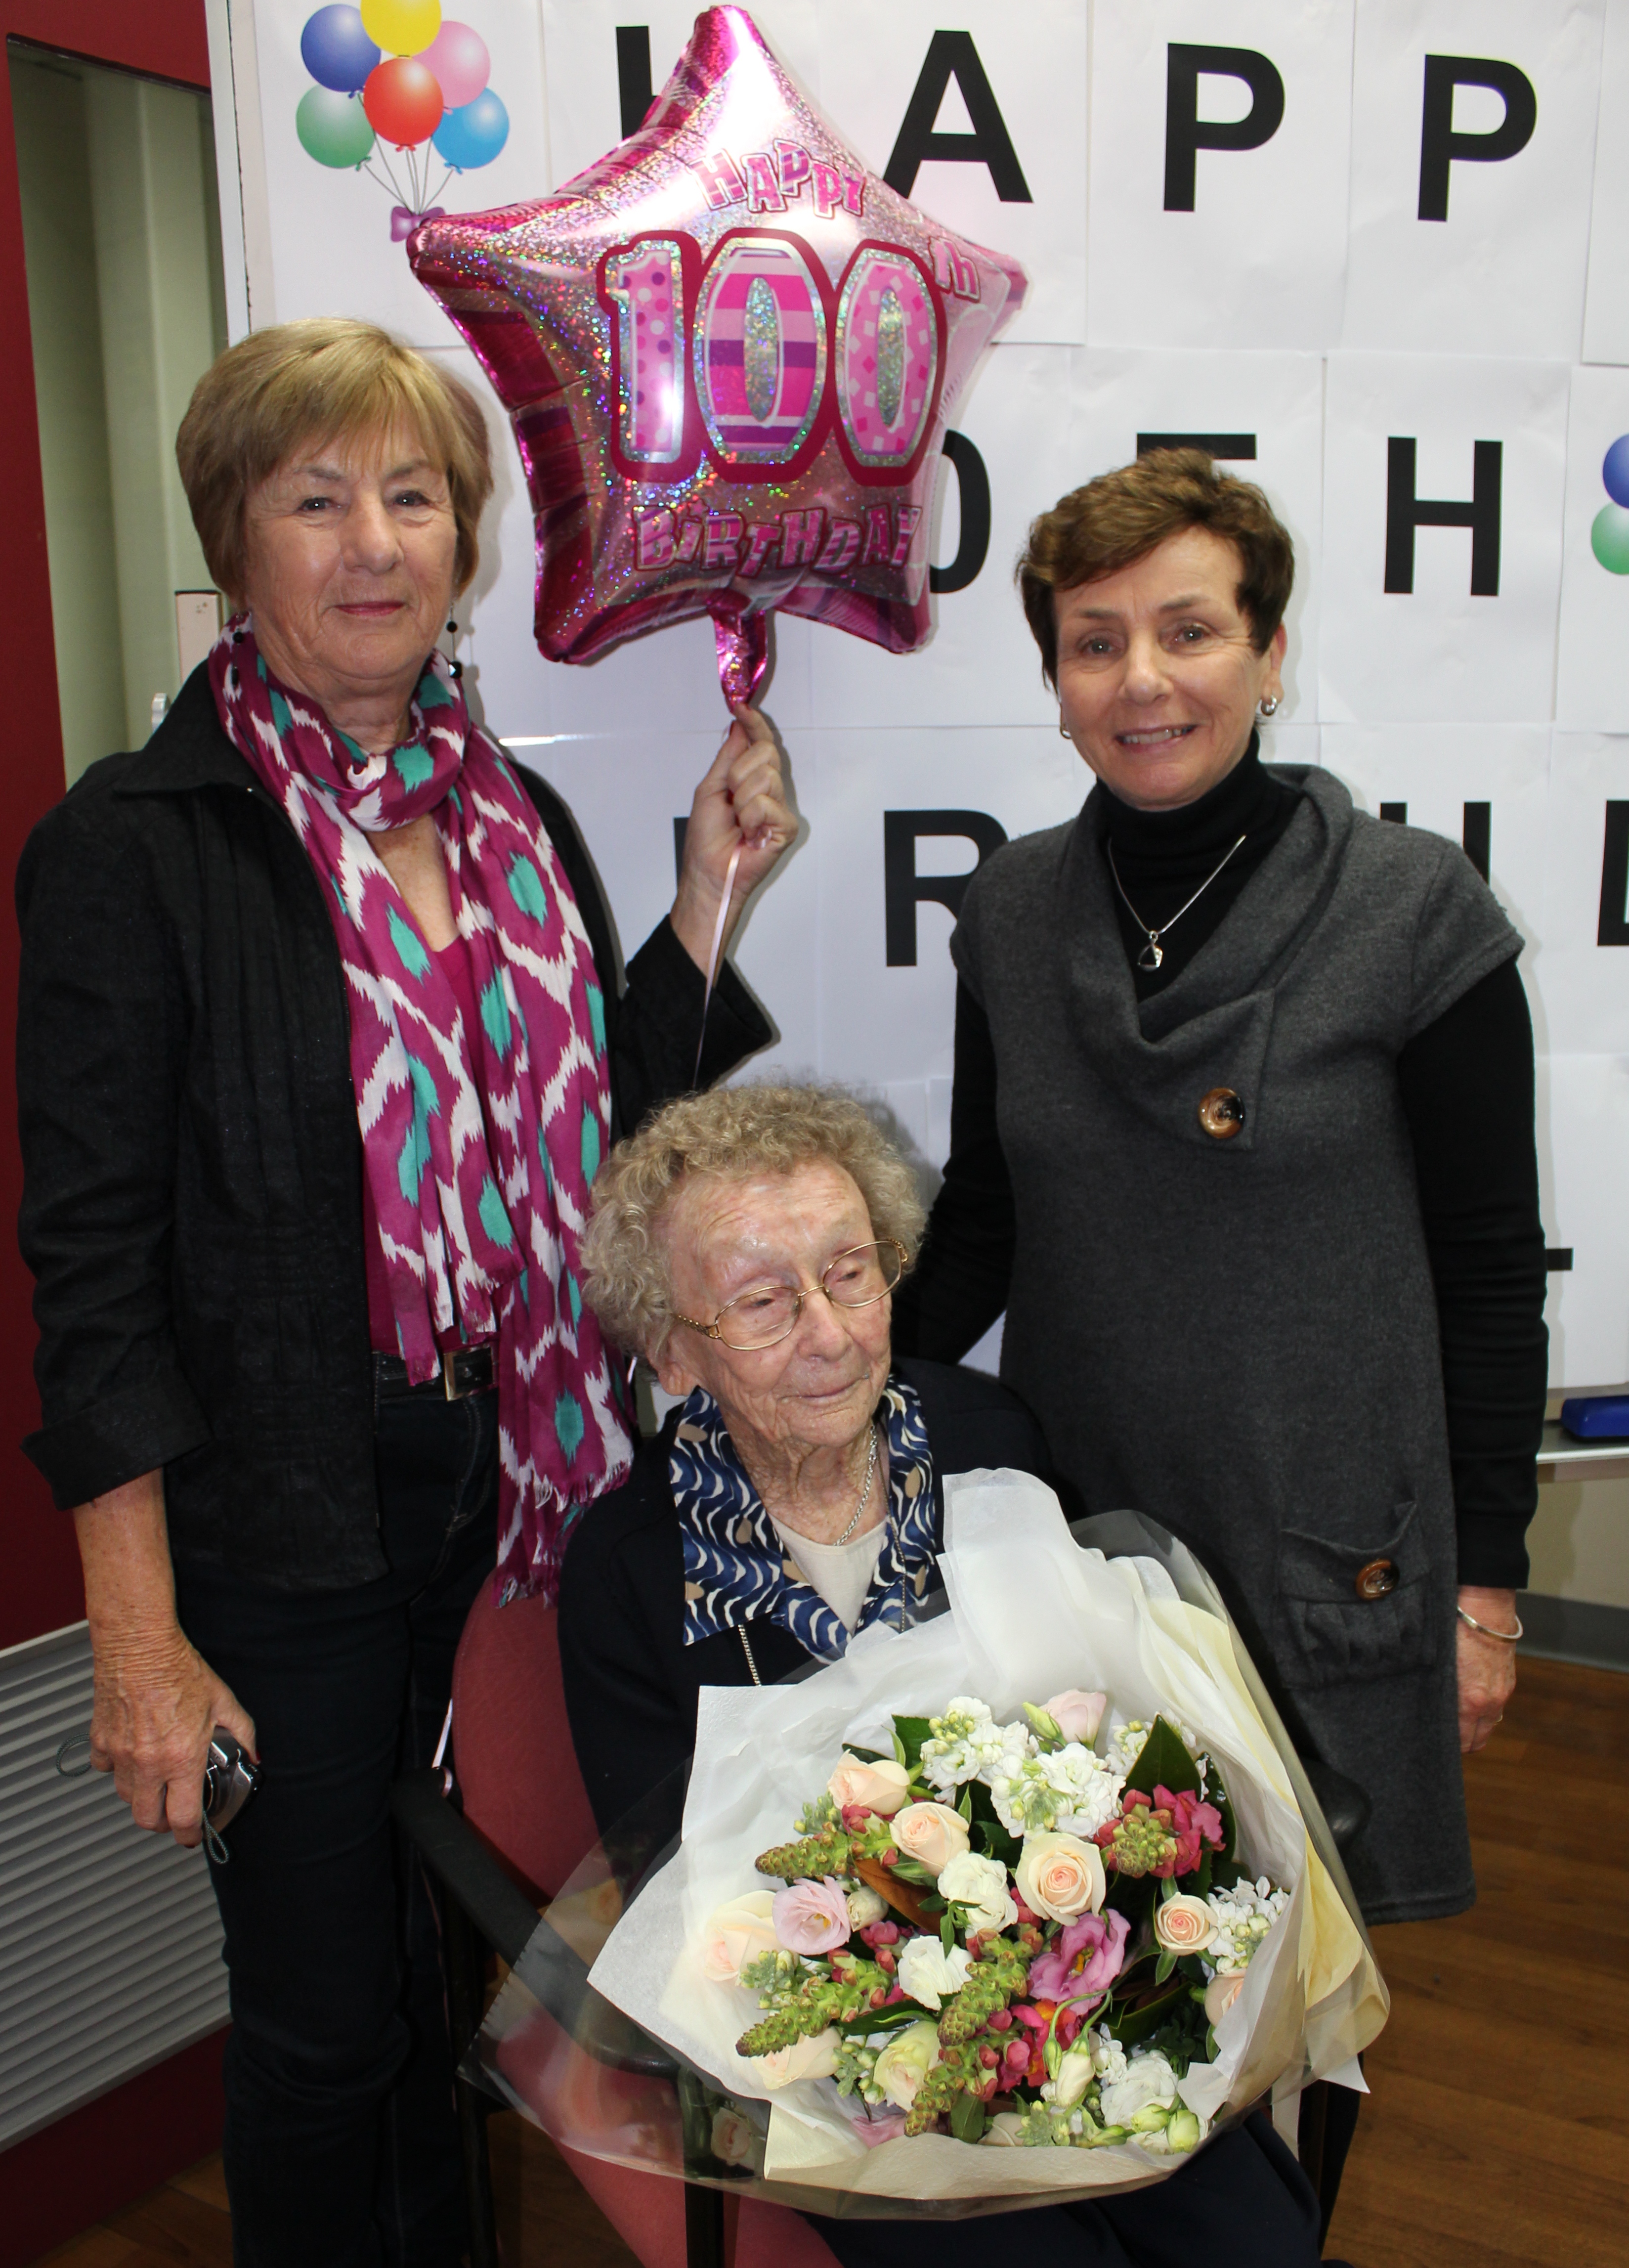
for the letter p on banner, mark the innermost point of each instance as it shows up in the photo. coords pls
(1187, 133)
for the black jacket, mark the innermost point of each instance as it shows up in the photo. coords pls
(192, 1206)
(631, 1682)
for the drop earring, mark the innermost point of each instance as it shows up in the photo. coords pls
(1064, 732)
(455, 667)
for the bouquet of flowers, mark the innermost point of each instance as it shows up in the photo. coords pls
(999, 1933)
(917, 1913)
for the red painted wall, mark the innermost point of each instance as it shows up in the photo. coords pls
(71, 2175)
(40, 1587)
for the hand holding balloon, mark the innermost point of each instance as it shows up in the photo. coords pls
(741, 804)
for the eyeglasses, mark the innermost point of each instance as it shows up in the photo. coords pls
(768, 1314)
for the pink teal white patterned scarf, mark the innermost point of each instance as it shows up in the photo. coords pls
(480, 1146)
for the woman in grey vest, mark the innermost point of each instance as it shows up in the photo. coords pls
(1242, 1141)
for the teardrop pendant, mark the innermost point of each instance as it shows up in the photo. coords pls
(1152, 953)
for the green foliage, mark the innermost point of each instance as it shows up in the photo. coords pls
(967, 2118)
(1165, 1761)
(909, 1734)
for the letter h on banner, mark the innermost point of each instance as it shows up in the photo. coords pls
(1406, 512)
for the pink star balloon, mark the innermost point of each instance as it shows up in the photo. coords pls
(729, 353)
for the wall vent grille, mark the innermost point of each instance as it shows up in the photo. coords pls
(110, 1943)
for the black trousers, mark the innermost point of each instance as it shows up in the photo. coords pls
(341, 2146)
(1243, 2203)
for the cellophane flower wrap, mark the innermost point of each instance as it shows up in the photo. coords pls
(1019, 1904)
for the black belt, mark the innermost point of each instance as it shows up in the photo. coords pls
(464, 1370)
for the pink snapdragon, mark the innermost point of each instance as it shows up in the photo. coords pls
(812, 1917)
(1191, 1822)
(1086, 1959)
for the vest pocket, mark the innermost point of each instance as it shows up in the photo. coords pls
(1335, 1623)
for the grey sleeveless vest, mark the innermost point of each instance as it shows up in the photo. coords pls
(1237, 1334)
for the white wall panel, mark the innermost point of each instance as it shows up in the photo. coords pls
(1258, 256)
(1502, 270)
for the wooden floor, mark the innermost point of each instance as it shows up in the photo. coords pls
(1498, 2132)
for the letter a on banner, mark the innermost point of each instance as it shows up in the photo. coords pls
(952, 55)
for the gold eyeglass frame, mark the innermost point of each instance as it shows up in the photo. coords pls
(713, 1330)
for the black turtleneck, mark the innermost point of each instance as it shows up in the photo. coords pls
(1467, 1091)
(1162, 858)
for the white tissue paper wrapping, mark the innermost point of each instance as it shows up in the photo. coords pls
(1031, 1613)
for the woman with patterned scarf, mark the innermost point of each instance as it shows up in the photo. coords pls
(746, 1242)
(321, 1044)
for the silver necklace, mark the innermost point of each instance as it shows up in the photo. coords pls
(865, 1493)
(1153, 954)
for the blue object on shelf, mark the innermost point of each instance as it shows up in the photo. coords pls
(1596, 1416)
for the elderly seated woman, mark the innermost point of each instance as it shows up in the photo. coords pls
(746, 1242)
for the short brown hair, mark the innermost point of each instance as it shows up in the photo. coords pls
(732, 1133)
(328, 378)
(1122, 516)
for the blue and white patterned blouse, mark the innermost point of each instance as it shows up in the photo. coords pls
(736, 1569)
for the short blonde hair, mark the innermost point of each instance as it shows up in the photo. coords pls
(732, 1133)
(329, 378)
(1122, 516)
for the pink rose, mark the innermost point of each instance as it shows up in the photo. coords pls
(879, 1787)
(881, 2126)
(1221, 1993)
(812, 1917)
(1184, 1924)
(930, 1833)
(1060, 1876)
(1077, 1715)
(1061, 1973)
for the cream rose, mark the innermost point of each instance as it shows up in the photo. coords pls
(1060, 1877)
(980, 1885)
(865, 1906)
(736, 1935)
(1184, 1924)
(733, 2141)
(930, 1833)
(1005, 2131)
(813, 2057)
(881, 1787)
(906, 2061)
(1221, 1993)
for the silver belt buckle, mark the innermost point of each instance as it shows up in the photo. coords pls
(454, 1393)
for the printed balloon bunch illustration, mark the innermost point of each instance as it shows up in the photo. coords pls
(398, 76)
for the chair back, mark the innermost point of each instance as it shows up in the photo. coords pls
(511, 1745)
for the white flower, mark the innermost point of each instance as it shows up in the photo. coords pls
(1107, 2055)
(931, 1975)
(865, 1906)
(906, 2060)
(1243, 1917)
(980, 1885)
(1007, 2129)
(736, 1935)
(1075, 2074)
(1149, 2079)
(1071, 1789)
(965, 1745)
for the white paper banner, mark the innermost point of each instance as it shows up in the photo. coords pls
(1592, 684)
(1219, 136)
(1470, 200)
(1606, 300)
(1442, 488)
